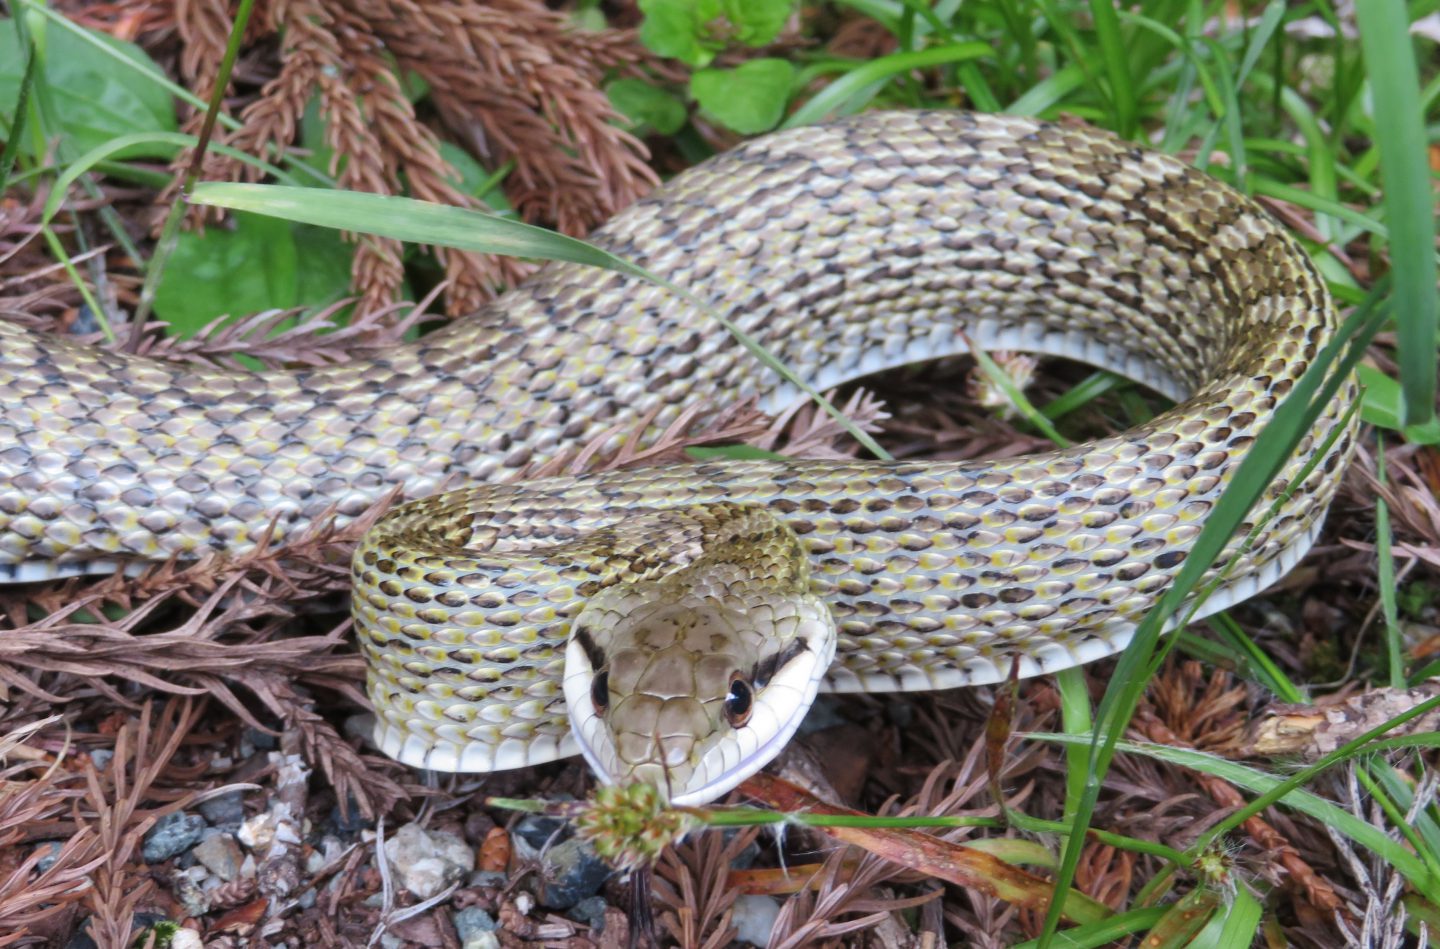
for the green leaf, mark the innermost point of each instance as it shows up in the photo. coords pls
(679, 29)
(249, 267)
(693, 31)
(647, 107)
(1383, 400)
(750, 98)
(757, 22)
(95, 98)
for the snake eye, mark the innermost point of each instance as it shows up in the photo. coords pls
(600, 692)
(739, 701)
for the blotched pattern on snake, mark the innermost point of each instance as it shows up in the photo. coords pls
(690, 612)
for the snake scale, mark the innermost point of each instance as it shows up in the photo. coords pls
(690, 612)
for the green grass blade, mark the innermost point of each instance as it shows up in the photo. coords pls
(406, 219)
(22, 104)
(1288, 793)
(1309, 398)
(848, 93)
(1409, 197)
(1385, 569)
(1117, 66)
(1107, 932)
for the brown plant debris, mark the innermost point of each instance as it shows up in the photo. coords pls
(516, 82)
(1310, 732)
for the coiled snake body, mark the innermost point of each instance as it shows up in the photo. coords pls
(690, 612)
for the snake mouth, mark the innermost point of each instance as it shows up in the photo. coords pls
(779, 708)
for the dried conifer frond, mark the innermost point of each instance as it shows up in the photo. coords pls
(30, 897)
(1186, 707)
(514, 66)
(320, 339)
(514, 80)
(114, 801)
(804, 430)
(622, 447)
(690, 886)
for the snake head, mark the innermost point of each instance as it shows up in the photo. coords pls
(689, 689)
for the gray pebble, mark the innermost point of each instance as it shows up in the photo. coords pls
(590, 911)
(172, 835)
(194, 897)
(101, 757)
(361, 725)
(349, 823)
(307, 899)
(221, 855)
(51, 849)
(823, 714)
(481, 940)
(491, 878)
(538, 831)
(225, 811)
(472, 920)
(573, 871)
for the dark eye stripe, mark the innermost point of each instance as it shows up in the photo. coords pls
(766, 668)
(593, 652)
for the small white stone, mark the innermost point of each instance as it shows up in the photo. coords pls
(427, 861)
(753, 917)
(257, 832)
(186, 939)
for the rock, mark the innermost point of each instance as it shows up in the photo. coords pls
(361, 725)
(101, 757)
(226, 811)
(481, 940)
(221, 855)
(572, 872)
(753, 917)
(491, 878)
(188, 889)
(307, 899)
(824, 713)
(262, 740)
(538, 831)
(349, 823)
(186, 939)
(472, 921)
(591, 912)
(258, 832)
(51, 850)
(171, 836)
(427, 861)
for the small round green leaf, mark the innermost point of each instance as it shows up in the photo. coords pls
(750, 98)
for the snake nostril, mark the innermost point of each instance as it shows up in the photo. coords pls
(600, 692)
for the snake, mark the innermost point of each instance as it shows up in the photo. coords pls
(674, 623)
